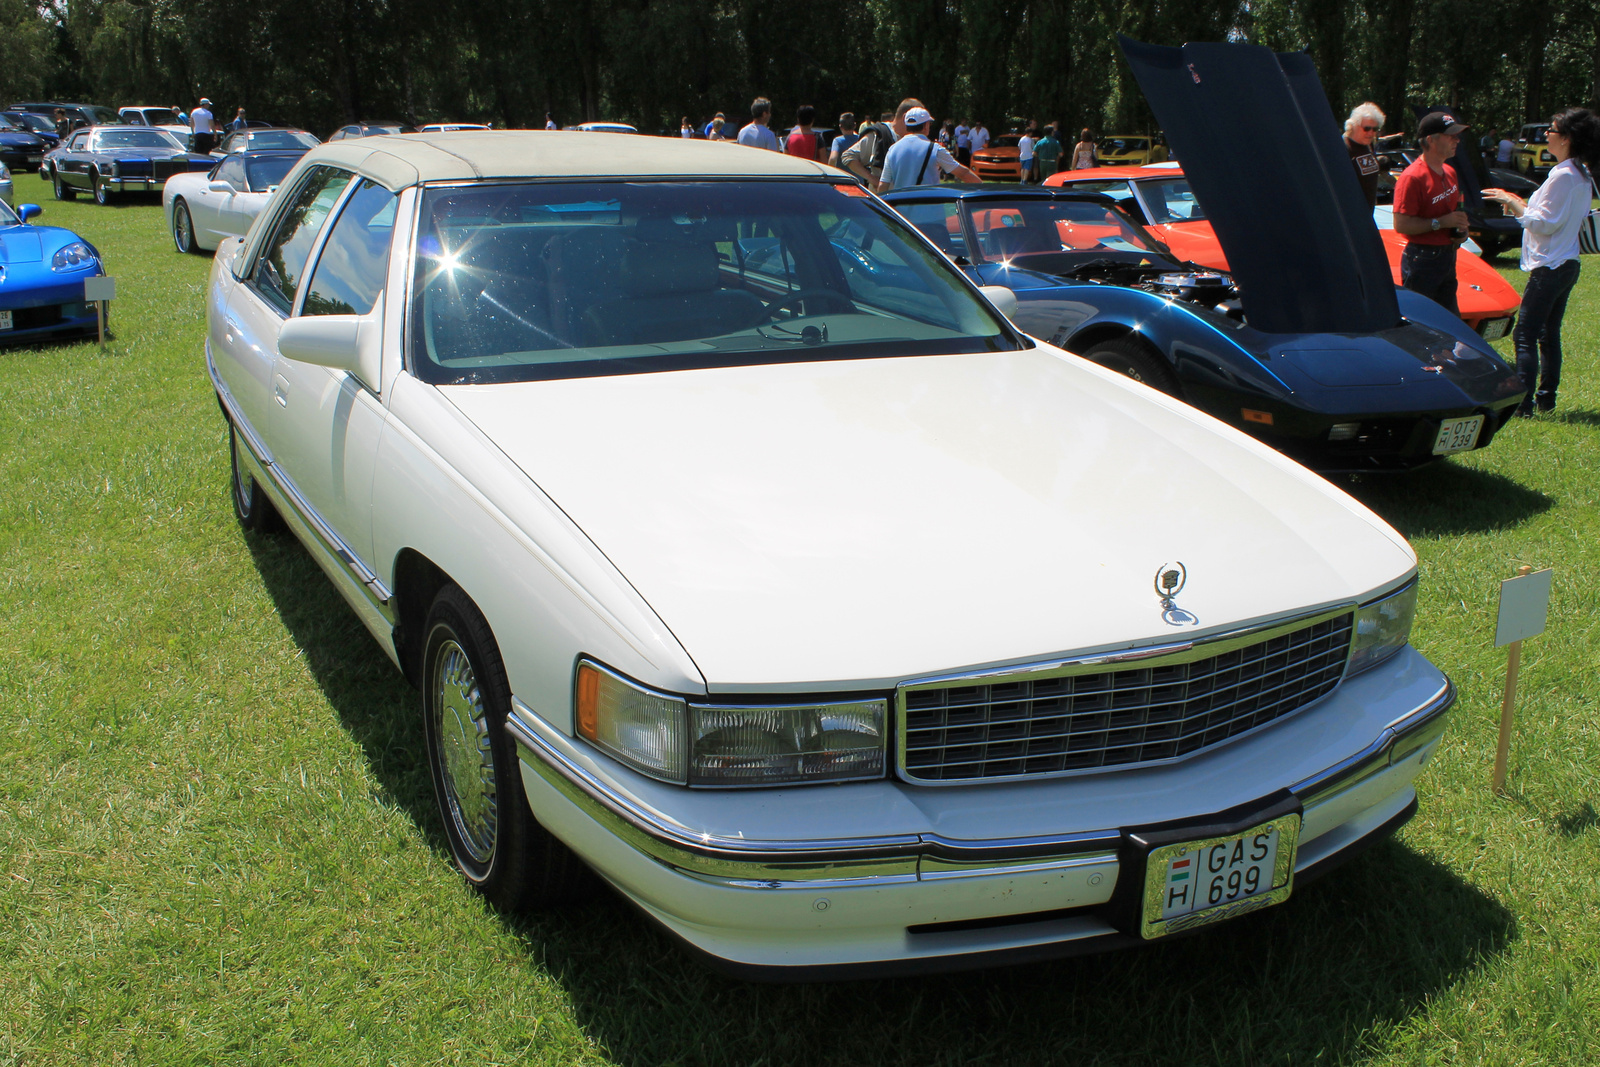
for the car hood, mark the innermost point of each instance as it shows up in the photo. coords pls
(20, 244)
(144, 153)
(18, 139)
(1324, 273)
(853, 523)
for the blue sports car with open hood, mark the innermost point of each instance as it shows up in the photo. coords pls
(42, 269)
(1306, 344)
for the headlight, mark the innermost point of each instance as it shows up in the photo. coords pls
(5, 175)
(1383, 627)
(114, 166)
(666, 737)
(72, 257)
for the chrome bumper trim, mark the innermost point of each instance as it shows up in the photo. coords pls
(376, 592)
(756, 864)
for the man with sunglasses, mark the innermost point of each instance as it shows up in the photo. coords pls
(1360, 131)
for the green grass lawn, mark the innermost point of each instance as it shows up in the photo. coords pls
(218, 844)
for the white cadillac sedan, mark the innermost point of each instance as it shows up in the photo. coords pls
(204, 208)
(745, 554)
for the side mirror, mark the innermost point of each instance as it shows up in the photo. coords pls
(29, 211)
(218, 187)
(1003, 299)
(351, 343)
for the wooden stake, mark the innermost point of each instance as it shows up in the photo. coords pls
(100, 317)
(1508, 707)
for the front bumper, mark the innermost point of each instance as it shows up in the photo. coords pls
(46, 313)
(134, 183)
(931, 894)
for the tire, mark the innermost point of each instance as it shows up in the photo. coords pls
(183, 227)
(63, 191)
(102, 195)
(1135, 359)
(495, 842)
(250, 504)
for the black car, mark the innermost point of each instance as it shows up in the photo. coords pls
(266, 139)
(21, 149)
(77, 114)
(108, 160)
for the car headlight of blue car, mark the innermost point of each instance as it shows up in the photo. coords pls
(75, 256)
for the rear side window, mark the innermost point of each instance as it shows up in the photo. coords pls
(350, 271)
(281, 268)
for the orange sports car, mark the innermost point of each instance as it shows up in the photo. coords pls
(1001, 161)
(1160, 197)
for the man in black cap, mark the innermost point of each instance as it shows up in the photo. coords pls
(1427, 211)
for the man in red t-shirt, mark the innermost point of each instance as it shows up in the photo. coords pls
(1427, 211)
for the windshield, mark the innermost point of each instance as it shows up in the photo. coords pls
(161, 116)
(7, 216)
(264, 173)
(1170, 200)
(516, 282)
(31, 121)
(133, 137)
(268, 140)
(1009, 231)
(101, 116)
(1121, 146)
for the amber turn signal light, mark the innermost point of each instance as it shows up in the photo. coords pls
(1252, 415)
(588, 700)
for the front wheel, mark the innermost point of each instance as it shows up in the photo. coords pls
(494, 840)
(102, 195)
(63, 191)
(1127, 356)
(250, 504)
(183, 228)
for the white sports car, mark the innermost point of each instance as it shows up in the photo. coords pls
(839, 626)
(205, 208)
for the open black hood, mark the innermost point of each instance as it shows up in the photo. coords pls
(1298, 234)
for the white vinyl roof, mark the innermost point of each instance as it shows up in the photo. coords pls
(400, 160)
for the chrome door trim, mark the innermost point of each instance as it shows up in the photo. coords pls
(376, 592)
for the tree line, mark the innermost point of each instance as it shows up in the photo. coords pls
(649, 62)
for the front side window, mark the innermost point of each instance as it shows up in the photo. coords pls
(350, 271)
(277, 276)
(515, 282)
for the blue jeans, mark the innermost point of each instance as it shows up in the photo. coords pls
(1537, 338)
(1431, 271)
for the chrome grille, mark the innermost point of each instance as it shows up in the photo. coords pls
(1085, 716)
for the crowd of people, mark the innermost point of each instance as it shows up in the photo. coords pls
(863, 148)
(1428, 213)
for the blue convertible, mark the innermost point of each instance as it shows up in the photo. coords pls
(42, 269)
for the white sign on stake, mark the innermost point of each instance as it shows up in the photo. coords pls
(99, 288)
(1524, 606)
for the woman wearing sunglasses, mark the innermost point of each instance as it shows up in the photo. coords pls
(1360, 131)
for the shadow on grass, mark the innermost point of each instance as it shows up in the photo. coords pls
(1446, 498)
(1579, 418)
(1578, 820)
(1326, 974)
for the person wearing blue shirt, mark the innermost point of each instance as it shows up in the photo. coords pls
(756, 135)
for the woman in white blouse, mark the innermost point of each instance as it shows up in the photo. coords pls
(1550, 222)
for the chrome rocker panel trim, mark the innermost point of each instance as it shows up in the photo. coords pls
(372, 587)
(907, 857)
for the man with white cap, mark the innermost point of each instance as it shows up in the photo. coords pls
(203, 126)
(916, 160)
(1427, 211)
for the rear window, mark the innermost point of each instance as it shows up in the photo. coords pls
(516, 282)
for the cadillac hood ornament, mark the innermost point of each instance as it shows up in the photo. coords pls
(1170, 580)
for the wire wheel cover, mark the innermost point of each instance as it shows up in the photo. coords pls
(466, 760)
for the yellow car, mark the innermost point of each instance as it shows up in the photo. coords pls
(1119, 150)
(1533, 157)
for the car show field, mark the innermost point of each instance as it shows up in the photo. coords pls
(222, 843)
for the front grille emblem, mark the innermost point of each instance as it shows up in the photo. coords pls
(1170, 580)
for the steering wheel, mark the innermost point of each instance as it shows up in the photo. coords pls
(800, 296)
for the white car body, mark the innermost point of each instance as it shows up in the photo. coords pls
(451, 127)
(220, 203)
(789, 531)
(145, 114)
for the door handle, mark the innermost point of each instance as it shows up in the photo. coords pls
(230, 330)
(280, 390)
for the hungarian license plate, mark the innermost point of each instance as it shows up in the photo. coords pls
(1193, 883)
(1495, 329)
(5, 320)
(1457, 435)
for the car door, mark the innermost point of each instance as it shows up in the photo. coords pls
(73, 166)
(257, 306)
(326, 423)
(213, 211)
